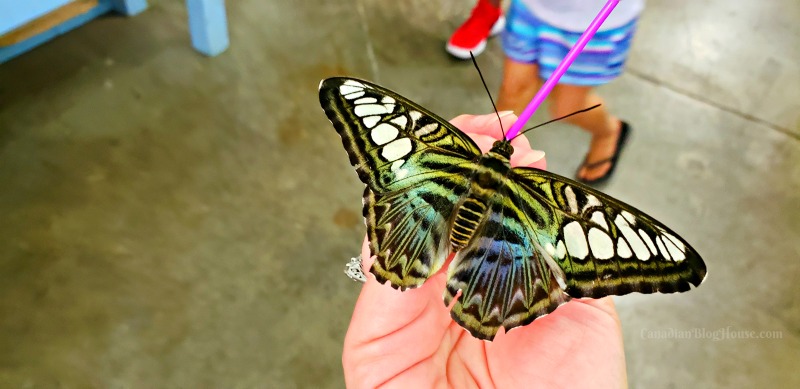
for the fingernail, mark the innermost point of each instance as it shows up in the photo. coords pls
(486, 120)
(530, 158)
(491, 119)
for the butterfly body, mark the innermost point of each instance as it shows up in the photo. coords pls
(485, 183)
(525, 240)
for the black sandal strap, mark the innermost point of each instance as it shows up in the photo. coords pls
(598, 163)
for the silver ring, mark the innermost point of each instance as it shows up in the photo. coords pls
(353, 270)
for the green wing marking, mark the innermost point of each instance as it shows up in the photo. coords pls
(416, 167)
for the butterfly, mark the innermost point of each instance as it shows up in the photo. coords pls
(526, 240)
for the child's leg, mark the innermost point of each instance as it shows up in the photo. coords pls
(520, 82)
(521, 78)
(604, 127)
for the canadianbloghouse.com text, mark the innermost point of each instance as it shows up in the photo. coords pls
(716, 334)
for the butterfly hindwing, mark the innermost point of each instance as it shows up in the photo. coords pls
(407, 234)
(604, 246)
(503, 278)
(416, 167)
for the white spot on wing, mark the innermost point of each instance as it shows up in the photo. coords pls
(384, 133)
(550, 249)
(561, 251)
(389, 107)
(601, 244)
(397, 149)
(661, 248)
(415, 115)
(370, 121)
(622, 248)
(629, 217)
(560, 280)
(387, 100)
(401, 121)
(369, 109)
(646, 239)
(354, 83)
(592, 201)
(571, 201)
(677, 242)
(600, 219)
(633, 239)
(346, 88)
(352, 96)
(676, 253)
(396, 168)
(366, 100)
(426, 129)
(576, 240)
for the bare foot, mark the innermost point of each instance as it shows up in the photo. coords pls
(601, 148)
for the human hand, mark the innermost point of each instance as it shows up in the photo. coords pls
(408, 339)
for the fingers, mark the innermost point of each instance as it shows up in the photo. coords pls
(485, 124)
(534, 158)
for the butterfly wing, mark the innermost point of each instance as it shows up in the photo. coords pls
(548, 239)
(604, 246)
(504, 279)
(393, 142)
(416, 167)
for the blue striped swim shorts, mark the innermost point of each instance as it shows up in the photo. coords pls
(527, 39)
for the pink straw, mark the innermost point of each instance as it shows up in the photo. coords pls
(562, 67)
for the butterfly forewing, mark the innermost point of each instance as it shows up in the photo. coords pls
(392, 142)
(604, 246)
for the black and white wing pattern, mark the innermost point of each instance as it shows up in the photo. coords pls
(604, 246)
(416, 167)
(526, 240)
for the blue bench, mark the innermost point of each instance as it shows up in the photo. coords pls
(27, 24)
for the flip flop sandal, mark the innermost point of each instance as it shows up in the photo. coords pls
(624, 132)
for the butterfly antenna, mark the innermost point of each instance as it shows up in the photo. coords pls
(488, 93)
(557, 119)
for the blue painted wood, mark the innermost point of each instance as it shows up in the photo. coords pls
(129, 7)
(8, 52)
(208, 26)
(15, 13)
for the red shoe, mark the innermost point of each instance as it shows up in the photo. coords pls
(485, 21)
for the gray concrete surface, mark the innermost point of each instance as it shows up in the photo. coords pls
(170, 220)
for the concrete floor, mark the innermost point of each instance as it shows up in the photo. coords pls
(170, 220)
